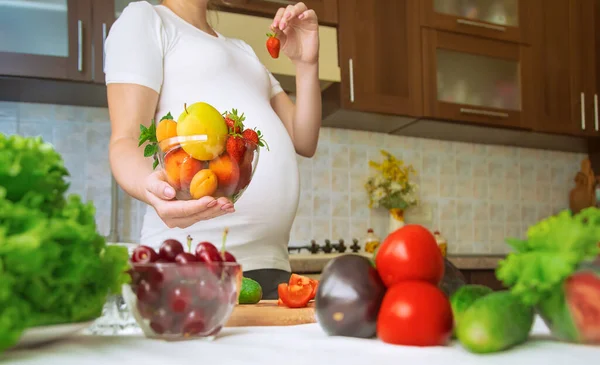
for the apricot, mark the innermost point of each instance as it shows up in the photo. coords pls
(204, 183)
(181, 168)
(202, 119)
(166, 128)
(227, 172)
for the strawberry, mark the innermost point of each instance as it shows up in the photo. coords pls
(255, 137)
(236, 148)
(235, 122)
(273, 45)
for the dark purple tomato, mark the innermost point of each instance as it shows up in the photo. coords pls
(169, 250)
(349, 297)
(143, 255)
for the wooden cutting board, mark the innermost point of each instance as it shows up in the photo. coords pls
(268, 313)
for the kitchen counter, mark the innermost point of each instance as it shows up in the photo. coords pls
(291, 345)
(309, 263)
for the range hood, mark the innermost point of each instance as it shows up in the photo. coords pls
(253, 29)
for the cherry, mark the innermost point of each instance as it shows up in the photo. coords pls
(136, 277)
(194, 322)
(188, 268)
(162, 321)
(147, 293)
(207, 252)
(228, 257)
(157, 274)
(146, 310)
(170, 249)
(216, 331)
(207, 288)
(179, 299)
(143, 255)
(185, 258)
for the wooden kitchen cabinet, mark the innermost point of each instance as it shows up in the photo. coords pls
(46, 39)
(587, 42)
(327, 10)
(477, 80)
(380, 57)
(566, 61)
(508, 20)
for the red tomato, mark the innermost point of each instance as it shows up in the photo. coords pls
(415, 313)
(296, 279)
(410, 253)
(315, 286)
(294, 296)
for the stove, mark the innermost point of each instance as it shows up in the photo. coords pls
(328, 247)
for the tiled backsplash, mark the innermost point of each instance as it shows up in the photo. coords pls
(476, 195)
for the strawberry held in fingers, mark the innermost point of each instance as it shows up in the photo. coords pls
(273, 45)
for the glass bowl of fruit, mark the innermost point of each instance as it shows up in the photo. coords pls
(204, 152)
(176, 295)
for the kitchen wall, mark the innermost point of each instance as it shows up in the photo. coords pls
(476, 195)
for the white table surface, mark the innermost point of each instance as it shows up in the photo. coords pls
(302, 345)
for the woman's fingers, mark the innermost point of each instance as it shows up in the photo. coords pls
(159, 187)
(277, 18)
(213, 212)
(225, 204)
(308, 15)
(290, 13)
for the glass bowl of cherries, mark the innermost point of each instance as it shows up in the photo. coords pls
(175, 295)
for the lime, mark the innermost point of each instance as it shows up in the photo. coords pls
(251, 292)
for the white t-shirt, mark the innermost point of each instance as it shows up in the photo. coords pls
(152, 46)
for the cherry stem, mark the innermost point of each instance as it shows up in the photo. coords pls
(189, 243)
(223, 243)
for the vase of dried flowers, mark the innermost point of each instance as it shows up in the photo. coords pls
(391, 188)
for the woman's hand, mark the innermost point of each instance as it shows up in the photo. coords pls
(180, 213)
(298, 30)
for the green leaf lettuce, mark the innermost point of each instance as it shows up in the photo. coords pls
(54, 265)
(553, 250)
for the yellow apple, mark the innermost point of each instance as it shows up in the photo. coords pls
(202, 119)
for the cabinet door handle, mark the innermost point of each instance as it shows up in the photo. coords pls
(79, 45)
(486, 113)
(583, 111)
(481, 25)
(596, 111)
(281, 2)
(104, 33)
(351, 67)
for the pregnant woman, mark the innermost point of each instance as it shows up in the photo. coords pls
(160, 57)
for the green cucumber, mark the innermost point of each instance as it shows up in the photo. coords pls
(465, 296)
(495, 322)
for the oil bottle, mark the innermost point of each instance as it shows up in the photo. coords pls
(371, 241)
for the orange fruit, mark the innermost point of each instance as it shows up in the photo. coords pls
(204, 183)
(166, 128)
